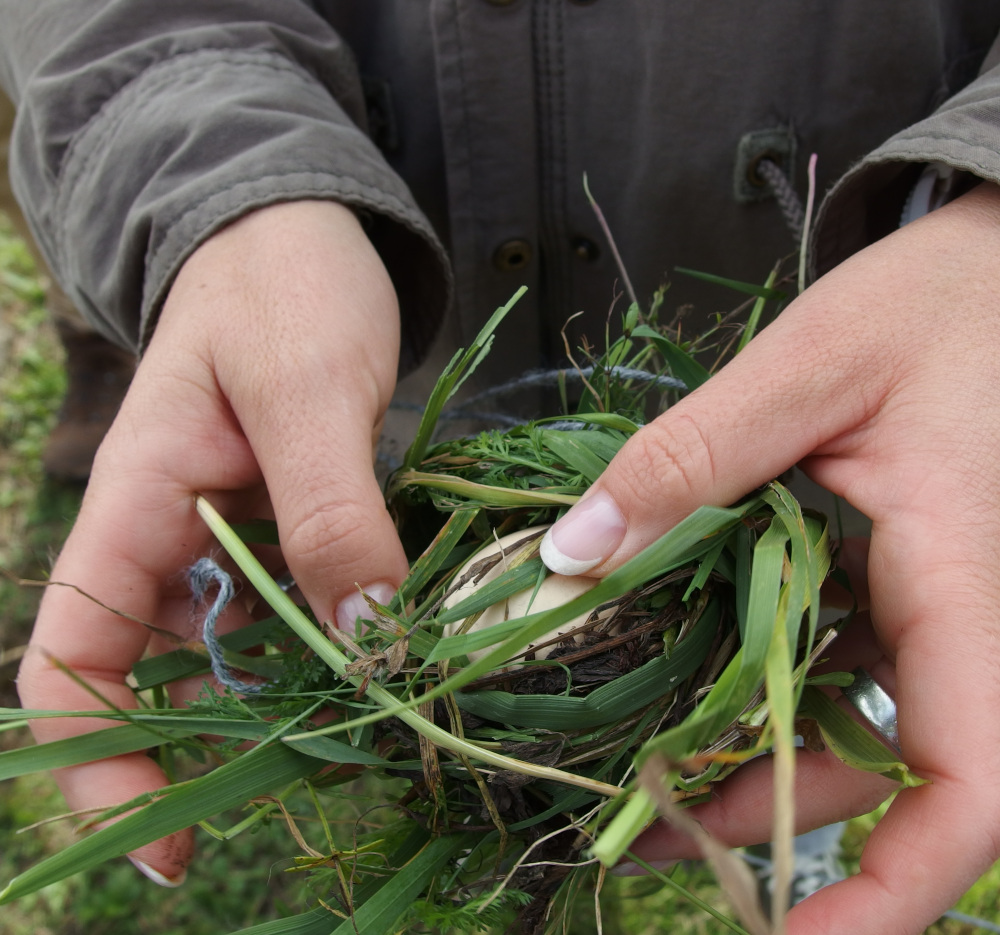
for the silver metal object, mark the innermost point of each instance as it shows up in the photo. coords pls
(877, 708)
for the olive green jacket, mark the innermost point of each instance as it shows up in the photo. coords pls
(461, 130)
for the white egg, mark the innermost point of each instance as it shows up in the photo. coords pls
(554, 591)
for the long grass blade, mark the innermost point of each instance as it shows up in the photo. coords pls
(256, 772)
(378, 913)
(461, 366)
(85, 748)
(851, 742)
(681, 364)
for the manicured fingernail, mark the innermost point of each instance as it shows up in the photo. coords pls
(584, 537)
(354, 605)
(157, 877)
(629, 869)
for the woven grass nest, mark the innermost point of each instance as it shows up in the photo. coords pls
(507, 764)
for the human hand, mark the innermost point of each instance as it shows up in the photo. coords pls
(262, 388)
(882, 382)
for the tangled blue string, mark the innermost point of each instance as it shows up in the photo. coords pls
(201, 575)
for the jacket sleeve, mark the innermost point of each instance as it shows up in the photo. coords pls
(145, 126)
(866, 204)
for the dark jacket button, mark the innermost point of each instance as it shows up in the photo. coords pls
(585, 249)
(512, 255)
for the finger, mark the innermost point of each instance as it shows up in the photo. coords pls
(814, 382)
(935, 840)
(742, 807)
(100, 648)
(311, 424)
(795, 386)
(852, 559)
(741, 811)
(136, 532)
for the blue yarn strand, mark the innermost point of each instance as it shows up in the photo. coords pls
(201, 575)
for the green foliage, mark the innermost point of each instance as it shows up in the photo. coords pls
(479, 914)
(31, 376)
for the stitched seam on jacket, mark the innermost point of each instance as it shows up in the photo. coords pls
(109, 117)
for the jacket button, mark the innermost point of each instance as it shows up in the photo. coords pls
(512, 255)
(585, 249)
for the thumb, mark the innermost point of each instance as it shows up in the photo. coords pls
(783, 397)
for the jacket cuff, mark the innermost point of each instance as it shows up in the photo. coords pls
(156, 172)
(867, 203)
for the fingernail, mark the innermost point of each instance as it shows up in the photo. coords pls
(629, 869)
(585, 536)
(157, 877)
(354, 605)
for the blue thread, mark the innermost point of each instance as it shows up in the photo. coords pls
(200, 576)
(533, 378)
(573, 375)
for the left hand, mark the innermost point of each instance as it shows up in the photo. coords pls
(882, 381)
(263, 388)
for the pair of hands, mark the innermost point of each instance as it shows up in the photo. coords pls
(270, 369)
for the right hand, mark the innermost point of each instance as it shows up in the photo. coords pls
(881, 381)
(263, 388)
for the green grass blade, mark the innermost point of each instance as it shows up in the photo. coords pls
(326, 748)
(753, 321)
(144, 731)
(427, 565)
(184, 663)
(745, 673)
(396, 894)
(461, 367)
(850, 741)
(781, 721)
(461, 644)
(611, 702)
(505, 585)
(86, 748)
(610, 420)
(313, 922)
(575, 452)
(257, 772)
(223, 726)
(681, 364)
(628, 823)
(810, 564)
(766, 292)
(762, 604)
(484, 494)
